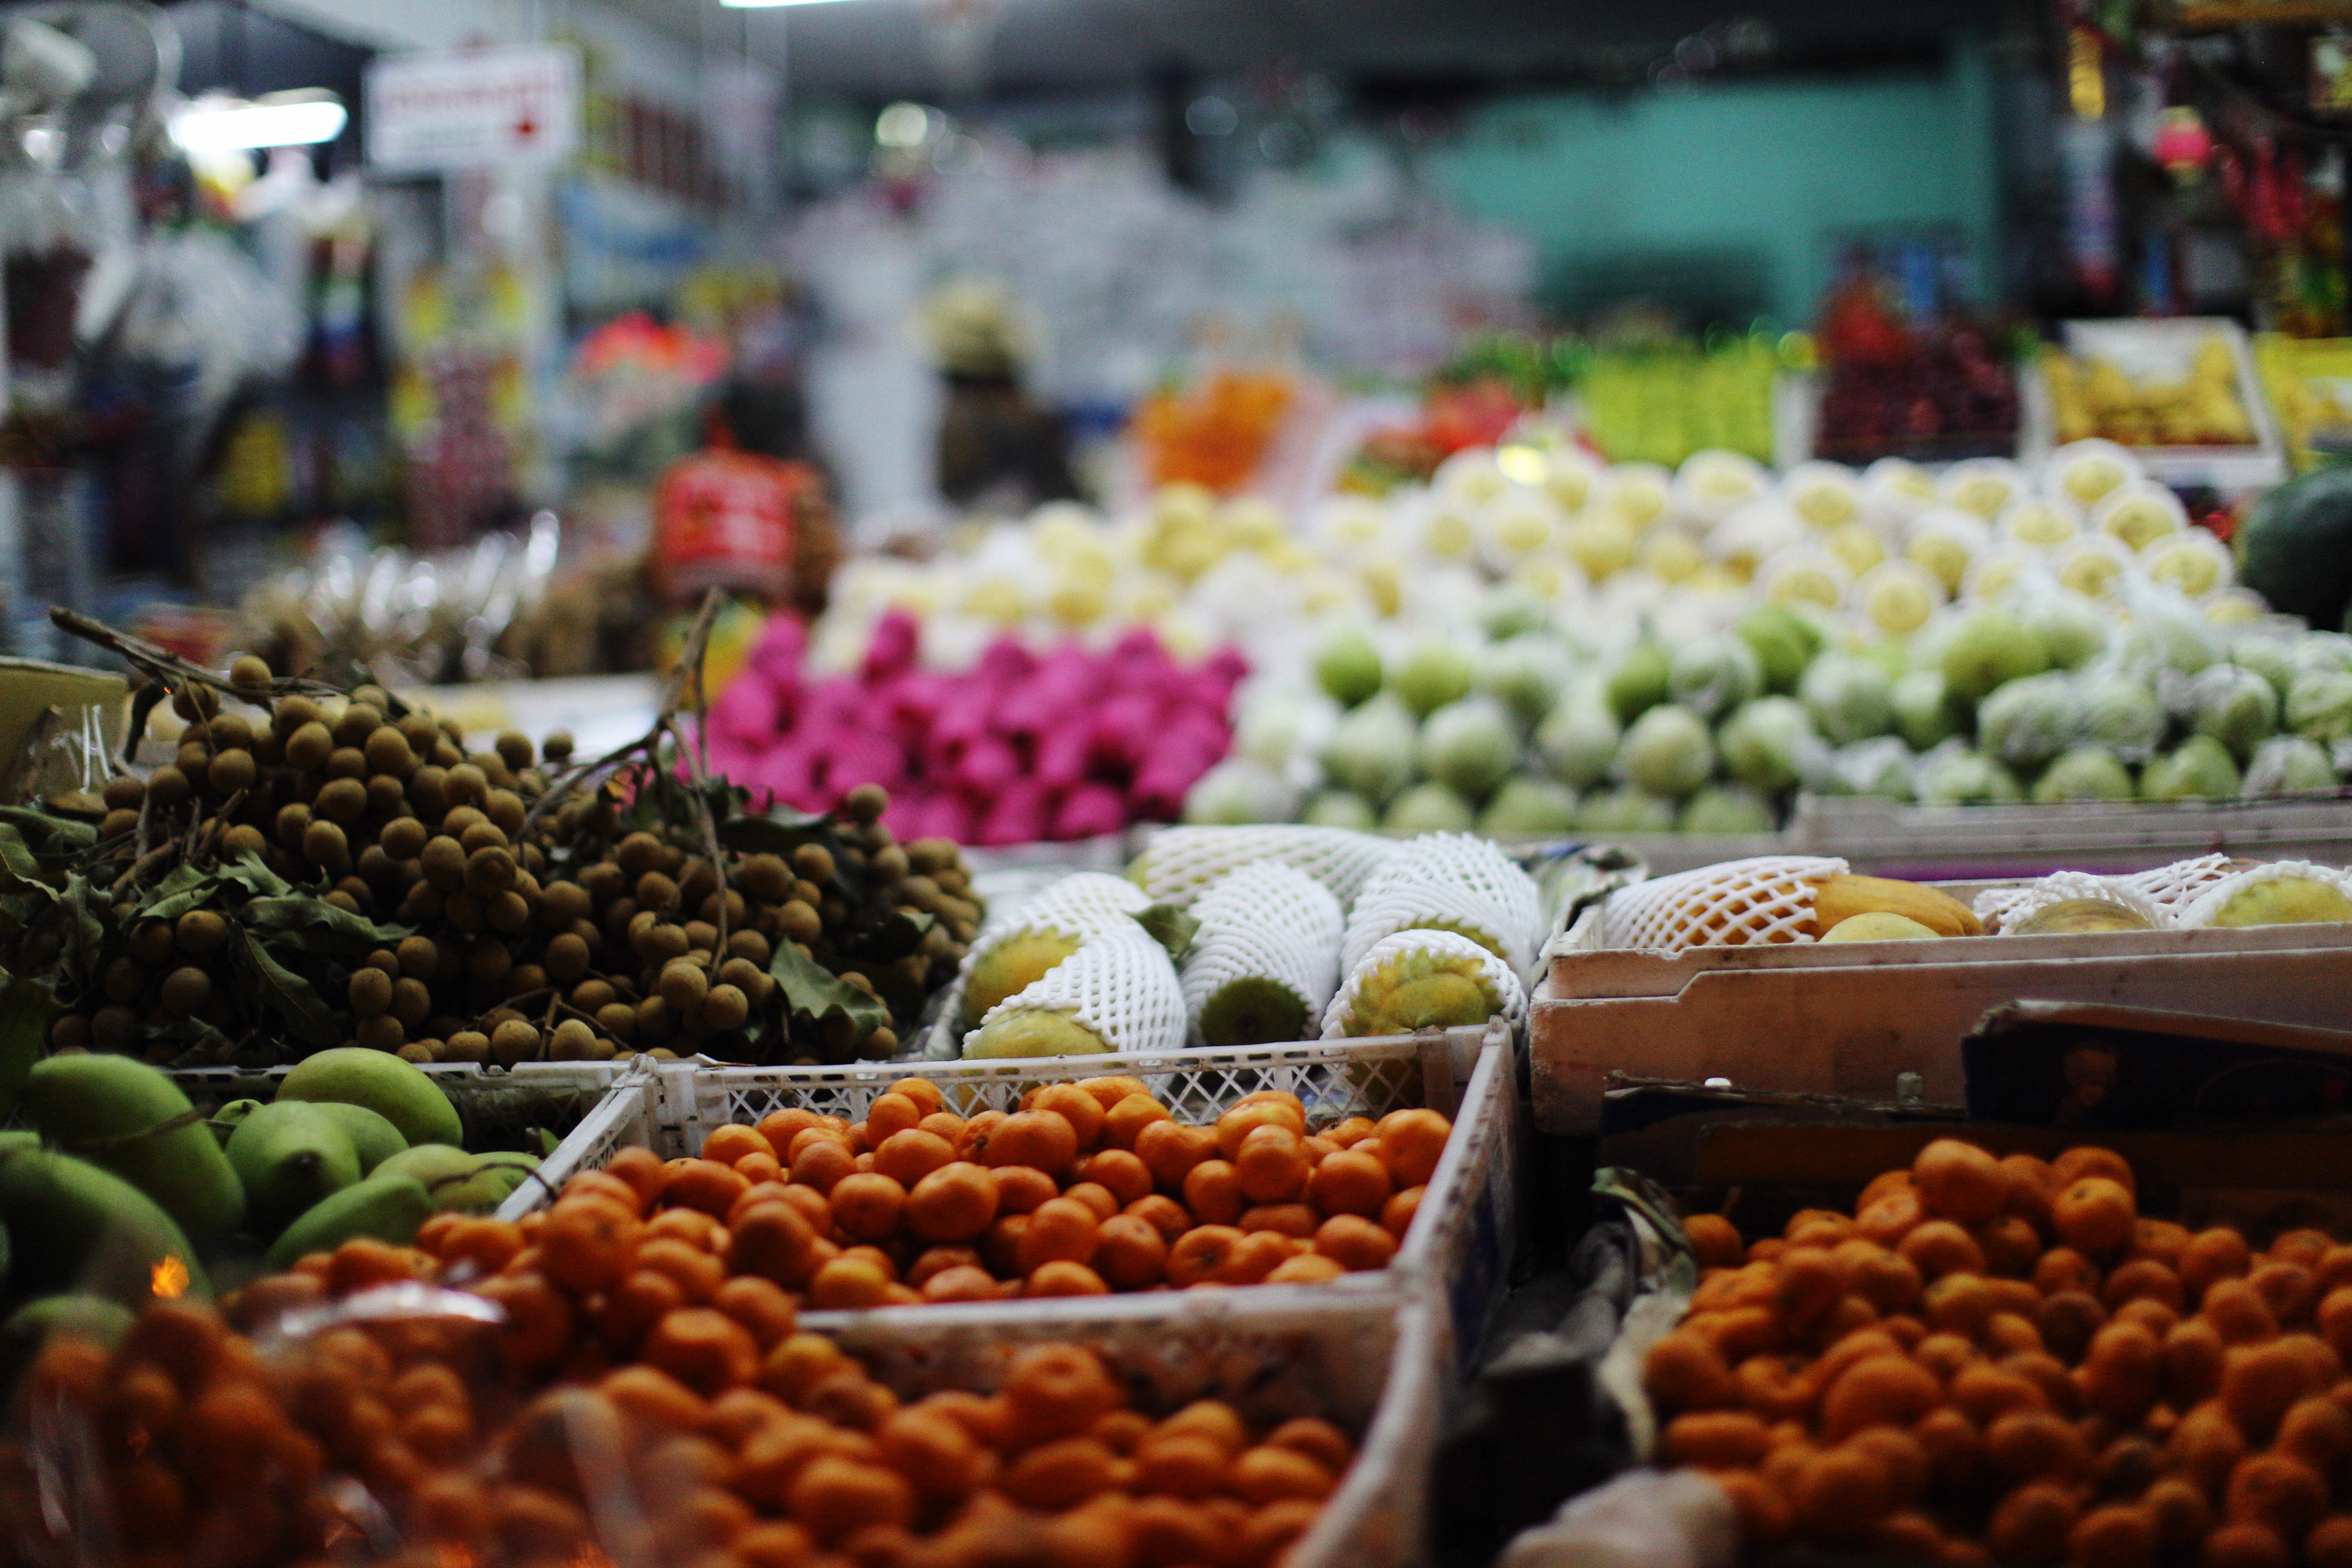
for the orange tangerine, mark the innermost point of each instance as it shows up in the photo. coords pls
(1355, 1242)
(1201, 1253)
(1682, 1371)
(729, 1143)
(1163, 1213)
(1290, 1220)
(1840, 1495)
(1212, 1192)
(1713, 1238)
(2279, 1490)
(1081, 1110)
(2064, 1268)
(848, 1283)
(2140, 1277)
(964, 1282)
(1889, 1218)
(1958, 1181)
(1235, 1124)
(1131, 1252)
(955, 1202)
(1307, 1269)
(1410, 1143)
(1064, 1277)
(2027, 1445)
(867, 1205)
(703, 1184)
(1398, 1214)
(1110, 1089)
(1717, 1440)
(1125, 1120)
(2088, 1159)
(2031, 1525)
(1095, 1195)
(1939, 1247)
(1042, 1139)
(1169, 1150)
(1270, 1166)
(588, 1242)
(1879, 1390)
(2011, 1245)
(1126, 1177)
(889, 1115)
(821, 1161)
(1060, 1229)
(2095, 1214)
(909, 1155)
(2288, 1288)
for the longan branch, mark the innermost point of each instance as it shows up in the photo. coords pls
(174, 670)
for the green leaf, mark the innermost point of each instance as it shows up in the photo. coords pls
(185, 888)
(85, 933)
(245, 870)
(896, 935)
(207, 1046)
(1171, 928)
(904, 997)
(18, 866)
(285, 993)
(777, 833)
(26, 1008)
(317, 926)
(811, 990)
(48, 834)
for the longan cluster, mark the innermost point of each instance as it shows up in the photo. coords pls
(1089, 1187)
(570, 940)
(652, 895)
(2002, 1359)
(735, 1442)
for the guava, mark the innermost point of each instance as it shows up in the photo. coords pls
(1960, 777)
(1431, 675)
(2236, 707)
(1642, 680)
(1624, 810)
(1989, 649)
(1525, 674)
(2199, 768)
(1428, 808)
(2285, 900)
(1529, 807)
(1923, 711)
(2084, 773)
(2289, 765)
(1341, 808)
(1347, 666)
(1711, 676)
(1667, 752)
(1850, 698)
(1770, 745)
(1784, 643)
(2027, 722)
(1370, 750)
(2319, 706)
(1470, 746)
(1578, 740)
(1726, 808)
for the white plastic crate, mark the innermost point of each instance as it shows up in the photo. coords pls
(1848, 1018)
(1375, 1369)
(1458, 1247)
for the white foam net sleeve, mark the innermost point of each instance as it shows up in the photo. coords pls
(1511, 998)
(2004, 909)
(2201, 910)
(1269, 922)
(1179, 864)
(1735, 903)
(1119, 984)
(1080, 906)
(1453, 879)
(2173, 887)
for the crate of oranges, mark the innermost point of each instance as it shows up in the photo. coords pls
(369, 1409)
(2003, 1357)
(1372, 1166)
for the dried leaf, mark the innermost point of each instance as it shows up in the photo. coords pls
(18, 866)
(245, 870)
(285, 993)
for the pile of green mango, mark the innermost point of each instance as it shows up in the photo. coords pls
(121, 1189)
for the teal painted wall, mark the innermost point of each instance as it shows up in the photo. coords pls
(1783, 168)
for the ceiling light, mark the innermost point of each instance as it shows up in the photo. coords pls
(904, 125)
(763, 5)
(276, 119)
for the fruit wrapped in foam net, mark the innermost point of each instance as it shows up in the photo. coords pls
(2284, 892)
(1025, 940)
(1267, 958)
(1117, 993)
(1182, 863)
(1448, 882)
(1417, 980)
(2005, 909)
(1767, 898)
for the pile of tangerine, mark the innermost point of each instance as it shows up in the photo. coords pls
(2002, 1359)
(1089, 1188)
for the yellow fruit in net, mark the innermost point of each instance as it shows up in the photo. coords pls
(1422, 989)
(1603, 546)
(1808, 584)
(2286, 900)
(1672, 555)
(1943, 555)
(1899, 603)
(2038, 522)
(1036, 1032)
(2070, 917)
(2141, 521)
(1448, 536)
(1856, 547)
(1877, 926)
(1983, 494)
(2194, 572)
(1010, 968)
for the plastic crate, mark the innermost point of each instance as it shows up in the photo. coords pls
(1372, 1367)
(1457, 1250)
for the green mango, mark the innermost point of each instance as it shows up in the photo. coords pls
(372, 1138)
(74, 1225)
(226, 1120)
(461, 1181)
(399, 1091)
(387, 1208)
(289, 1155)
(106, 1109)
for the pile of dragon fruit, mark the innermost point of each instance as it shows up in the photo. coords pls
(1024, 746)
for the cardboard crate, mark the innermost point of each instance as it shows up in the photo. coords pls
(1851, 1018)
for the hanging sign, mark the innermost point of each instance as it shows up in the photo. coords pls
(456, 110)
